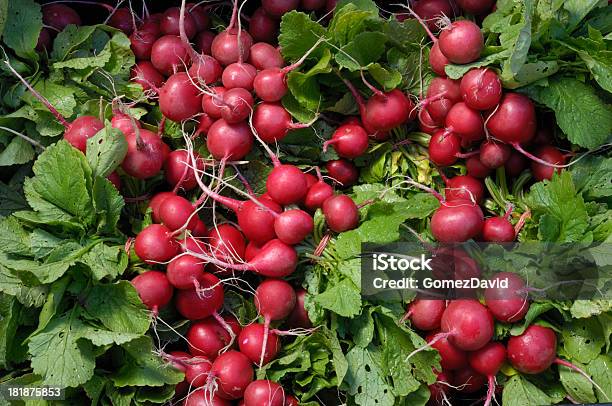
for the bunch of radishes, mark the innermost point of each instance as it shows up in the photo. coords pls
(462, 332)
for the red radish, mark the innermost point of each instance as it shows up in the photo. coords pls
(81, 129)
(444, 148)
(426, 123)
(144, 158)
(516, 164)
(201, 397)
(237, 105)
(262, 27)
(199, 229)
(265, 56)
(292, 226)
(451, 358)
(169, 23)
(457, 221)
(550, 155)
(232, 45)
(178, 170)
(124, 123)
(233, 373)
(342, 171)
(385, 111)
(169, 55)
(425, 314)
(514, 120)
(299, 316)
(498, 229)
(533, 351)
(229, 141)
(259, 347)
(312, 5)
(239, 75)
(274, 299)
(156, 202)
(122, 19)
(439, 389)
(442, 94)
(115, 179)
(330, 6)
(437, 60)
(468, 324)
(200, 18)
(184, 271)
(461, 42)
(59, 16)
(145, 74)
(210, 104)
(510, 304)
(155, 244)
(44, 40)
(176, 360)
(463, 187)
(487, 361)
(476, 7)
(431, 11)
(179, 98)
(199, 304)
(286, 184)
(204, 124)
(203, 42)
(468, 381)
(465, 122)
(205, 69)
(349, 140)
(264, 393)
(142, 44)
(251, 250)
(196, 371)
(272, 122)
(476, 169)
(154, 289)
(151, 24)
(207, 338)
(481, 89)
(341, 213)
(276, 8)
(494, 154)
(271, 84)
(226, 243)
(317, 194)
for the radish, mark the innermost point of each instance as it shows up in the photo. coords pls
(481, 89)
(342, 171)
(487, 361)
(468, 380)
(293, 226)
(442, 94)
(81, 129)
(115, 179)
(467, 324)
(476, 7)
(226, 243)
(176, 360)
(276, 8)
(155, 244)
(298, 318)
(199, 304)
(207, 338)
(465, 122)
(59, 16)
(438, 390)
(510, 304)
(236, 105)
(233, 373)
(211, 104)
(437, 60)
(494, 154)
(204, 124)
(156, 202)
(262, 27)
(141, 43)
(385, 111)
(271, 84)
(515, 164)
(431, 11)
(154, 289)
(145, 155)
(265, 56)
(229, 141)
(272, 122)
(179, 98)
(151, 24)
(312, 5)
(514, 120)
(286, 184)
(476, 169)
(425, 314)
(177, 213)
(317, 194)
(205, 69)
(123, 20)
(200, 18)
(461, 42)
(239, 75)
(196, 371)
(498, 229)
(341, 213)
(145, 74)
(550, 155)
(444, 148)
(232, 45)
(203, 42)
(44, 40)
(251, 250)
(201, 397)
(124, 122)
(184, 271)
(264, 393)
(349, 140)
(170, 23)
(463, 187)
(451, 358)
(169, 55)
(426, 123)
(259, 346)
(178, 172)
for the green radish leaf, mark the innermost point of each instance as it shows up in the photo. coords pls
(583, 339)
(518, 391)
(106, 261)
(9, 320)
(576, 385)
(298, 33)
(22, 27)
(366, 380)
(106, 150)
(343, 299)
